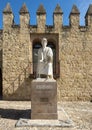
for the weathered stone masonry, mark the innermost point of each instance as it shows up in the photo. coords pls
(74, 47)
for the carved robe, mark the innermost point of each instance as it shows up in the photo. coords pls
(45, 61)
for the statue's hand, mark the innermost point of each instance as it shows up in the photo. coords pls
(44, 60)
(41, 60)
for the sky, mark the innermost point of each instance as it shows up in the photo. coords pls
(49, 5)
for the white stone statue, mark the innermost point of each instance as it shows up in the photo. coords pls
(45, 61)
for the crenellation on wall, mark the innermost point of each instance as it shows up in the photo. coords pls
(24, 17)
(8, 17)
(41, 19)
(57, 18)
(88, 16)
(74, 17)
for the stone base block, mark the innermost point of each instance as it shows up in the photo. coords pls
(44, 99)
(44, 115)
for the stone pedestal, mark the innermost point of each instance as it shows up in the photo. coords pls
(44, 99)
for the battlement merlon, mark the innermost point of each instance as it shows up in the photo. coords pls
(41, 18)
(8, 18)
(74, 17)
(24, 16)
(57, 17)
(88, 16)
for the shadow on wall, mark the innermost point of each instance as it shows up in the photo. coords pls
(20, 88)
(15, 114)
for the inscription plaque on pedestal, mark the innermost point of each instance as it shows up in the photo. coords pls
(44, 99)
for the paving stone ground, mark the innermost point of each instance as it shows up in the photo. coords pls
(11, 111)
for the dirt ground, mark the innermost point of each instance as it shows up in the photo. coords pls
(11, 111)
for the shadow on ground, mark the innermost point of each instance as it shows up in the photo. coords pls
(15, 114)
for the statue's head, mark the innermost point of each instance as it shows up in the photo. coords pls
(44, 42)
